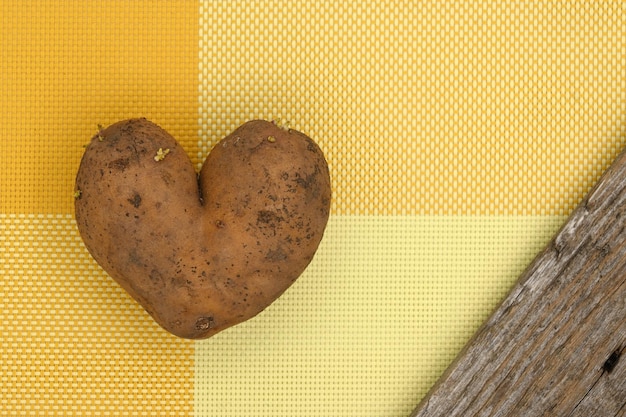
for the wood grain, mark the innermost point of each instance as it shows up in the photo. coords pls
(544, 351)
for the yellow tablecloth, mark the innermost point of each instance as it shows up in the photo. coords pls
(459, 136)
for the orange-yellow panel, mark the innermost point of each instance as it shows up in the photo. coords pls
(67, 66)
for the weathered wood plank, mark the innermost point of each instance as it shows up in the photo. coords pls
(544, 351)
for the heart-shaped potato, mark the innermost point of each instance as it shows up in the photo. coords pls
(202, 252)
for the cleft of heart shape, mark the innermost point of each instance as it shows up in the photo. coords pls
(202, 252)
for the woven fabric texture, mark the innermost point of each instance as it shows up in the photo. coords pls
(459, 136)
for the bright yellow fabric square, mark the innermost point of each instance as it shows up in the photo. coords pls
(429, 107)
(73, 343)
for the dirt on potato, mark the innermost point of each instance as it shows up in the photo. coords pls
(202, 251)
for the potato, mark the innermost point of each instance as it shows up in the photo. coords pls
(202, 252)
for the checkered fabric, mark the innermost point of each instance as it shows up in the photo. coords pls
(459, 137)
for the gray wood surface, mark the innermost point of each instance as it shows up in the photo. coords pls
(548, 348)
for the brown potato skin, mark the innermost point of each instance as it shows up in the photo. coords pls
(202, 252)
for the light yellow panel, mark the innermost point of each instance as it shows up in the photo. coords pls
(72, 342)
(67, 66)
(382, 310)
(428, 107)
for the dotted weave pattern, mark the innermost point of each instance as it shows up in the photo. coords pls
(428, 107)
(459, 136)
(381, 311)
(72, 343)
(67, 66)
